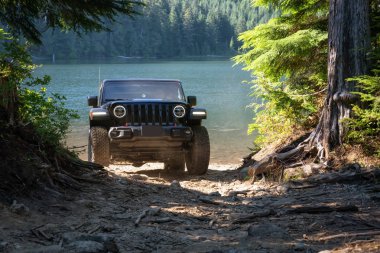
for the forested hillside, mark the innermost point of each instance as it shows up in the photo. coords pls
(167, 28)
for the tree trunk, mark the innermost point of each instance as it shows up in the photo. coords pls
(349, 41)
(8, 98)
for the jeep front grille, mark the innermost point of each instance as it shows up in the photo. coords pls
(150, 114)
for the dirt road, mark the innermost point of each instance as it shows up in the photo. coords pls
(146, 210)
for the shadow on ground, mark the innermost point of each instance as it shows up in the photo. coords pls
(154, 211)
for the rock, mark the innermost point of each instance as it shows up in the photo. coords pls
(282, 189)
(312, 168)
(215, 194)
(77, 236)
(19, 209)
(244, 173)
(267, 230)
(154, 211)
(139, 177)
(3, 246)
(307, 170)
(246, 202)
(175, 184)
(44, 249)
(80, 242)
(86, 247)
(299, 246)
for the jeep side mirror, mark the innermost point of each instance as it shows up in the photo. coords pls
(92, 101)
(192, 100)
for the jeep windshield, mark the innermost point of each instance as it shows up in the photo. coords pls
(133, 90)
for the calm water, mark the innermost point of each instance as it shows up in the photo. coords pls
(217, 85)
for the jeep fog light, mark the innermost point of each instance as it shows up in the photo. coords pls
(119, 111)
(179, 111)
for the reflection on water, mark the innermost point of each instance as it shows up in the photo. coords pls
(217, 85)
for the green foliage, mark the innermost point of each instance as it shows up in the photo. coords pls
(78, 15)
(46, 113)
(279, 113)
(287, 55)
(166, 28)
(15, 63)
(364, 127)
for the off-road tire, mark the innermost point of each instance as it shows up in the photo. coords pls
(175, 164)
(198, 155)
(99, 146)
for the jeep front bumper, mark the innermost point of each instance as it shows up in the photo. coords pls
(144, 133)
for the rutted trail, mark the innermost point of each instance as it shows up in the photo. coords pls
(146, 210)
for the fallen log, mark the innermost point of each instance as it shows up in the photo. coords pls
(322, 209)
(346, 177)
(346, 235)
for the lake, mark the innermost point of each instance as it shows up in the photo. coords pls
(218, 86)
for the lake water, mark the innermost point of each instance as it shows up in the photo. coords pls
(217, 85)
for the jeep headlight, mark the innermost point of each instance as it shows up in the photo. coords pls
(119, 111)
(179, 111)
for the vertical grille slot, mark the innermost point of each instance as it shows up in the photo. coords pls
(160, 116)
(154, 114)
(132, 114)
(139, 114)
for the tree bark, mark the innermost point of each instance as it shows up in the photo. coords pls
(349, 42)
(8, 100)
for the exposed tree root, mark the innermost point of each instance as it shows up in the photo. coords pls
(277, 160)
(26, 163)
(308, 151)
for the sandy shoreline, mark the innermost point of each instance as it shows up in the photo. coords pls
(159, 166)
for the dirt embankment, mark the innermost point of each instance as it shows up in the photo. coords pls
(146, 210)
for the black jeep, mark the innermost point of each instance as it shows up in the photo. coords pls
(147, 120)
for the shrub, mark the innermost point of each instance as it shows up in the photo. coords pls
(364, 127)
(33, 105)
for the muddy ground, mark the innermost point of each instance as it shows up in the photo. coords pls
(145, 209)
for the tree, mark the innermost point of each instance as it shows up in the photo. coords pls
(287, 56)
(349, 44)
(21, 17)
(79, 15)
(162, 31)
(348, 48)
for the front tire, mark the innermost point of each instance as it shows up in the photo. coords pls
(99, 146)
(175, 164)
(198, 155)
